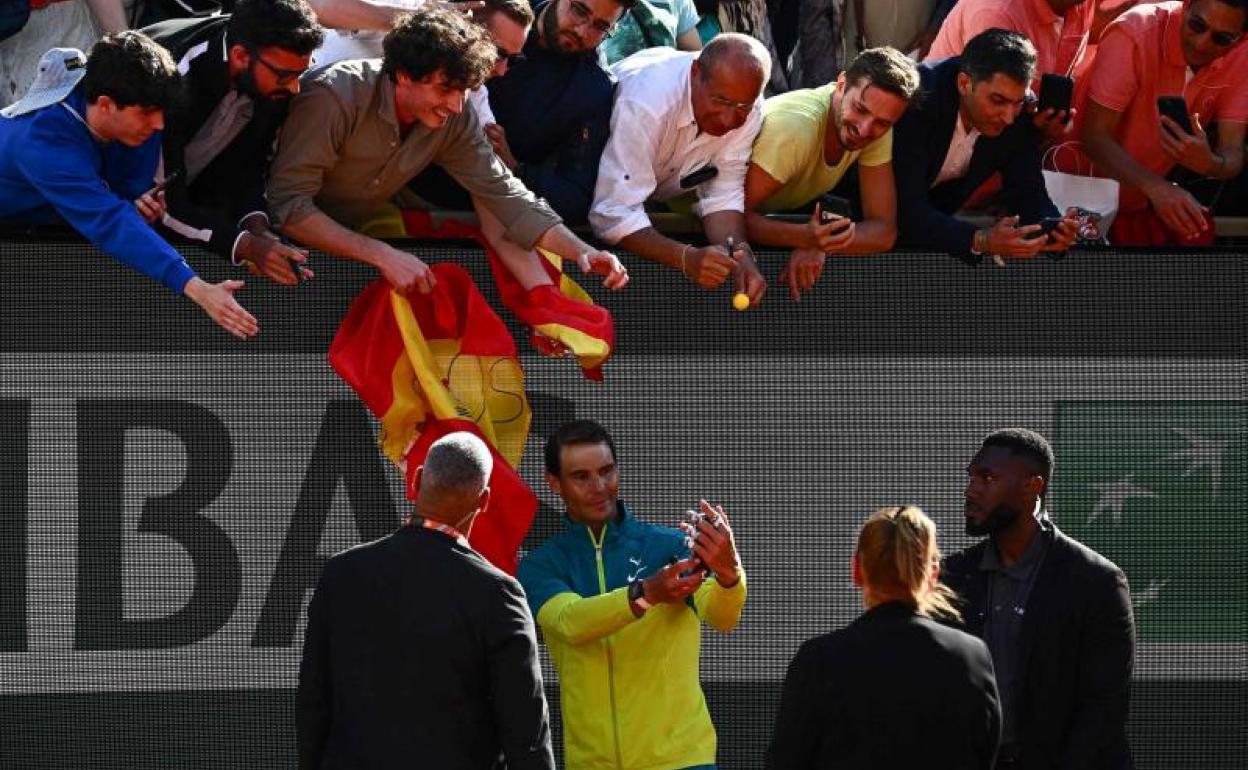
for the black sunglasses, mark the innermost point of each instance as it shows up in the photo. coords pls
(512, 59)
(1221, 39)
(283, 76)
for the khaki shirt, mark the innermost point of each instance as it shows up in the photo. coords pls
(340, 151)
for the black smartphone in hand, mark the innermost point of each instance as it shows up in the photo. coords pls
(162, 184)
(1056, 92)
(1047, 226)
(1175, 108)
(833, 207)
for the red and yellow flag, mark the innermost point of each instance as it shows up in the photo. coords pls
(428, 365)
(562, 312)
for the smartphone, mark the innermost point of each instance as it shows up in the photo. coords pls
(1047, 226)
(695, 178)
(1056, 92)
(833, 207)
(162, 184)
(1175, 108)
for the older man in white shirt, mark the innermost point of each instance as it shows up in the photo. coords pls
(685, 122)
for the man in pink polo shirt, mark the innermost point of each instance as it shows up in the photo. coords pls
(1191, 49)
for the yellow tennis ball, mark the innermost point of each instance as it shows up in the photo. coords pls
(741, 301)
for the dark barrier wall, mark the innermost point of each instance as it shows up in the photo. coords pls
(169, 493)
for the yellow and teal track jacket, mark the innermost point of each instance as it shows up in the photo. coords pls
(630, 691)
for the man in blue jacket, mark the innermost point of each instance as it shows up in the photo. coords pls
(961, 131)
(82, 146)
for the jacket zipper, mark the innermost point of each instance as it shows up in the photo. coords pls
(602, 589)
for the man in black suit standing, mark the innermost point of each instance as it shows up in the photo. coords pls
(963, 129)
(1056, 615)
(418, 652)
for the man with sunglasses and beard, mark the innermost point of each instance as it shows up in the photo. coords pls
(1056, 616)
(241, 72)
(1194, 50)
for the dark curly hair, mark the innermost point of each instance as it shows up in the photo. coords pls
(286, 24)
(434, 39)
(131, 69)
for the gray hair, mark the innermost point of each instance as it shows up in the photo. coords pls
(458, 462)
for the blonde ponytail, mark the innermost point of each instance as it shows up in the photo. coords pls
(897, 554)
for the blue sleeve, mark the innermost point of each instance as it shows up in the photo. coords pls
(62, 167)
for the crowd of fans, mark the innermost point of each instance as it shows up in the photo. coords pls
(261, 132)
(285, 125)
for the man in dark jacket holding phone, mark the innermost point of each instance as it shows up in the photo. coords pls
(961, 131)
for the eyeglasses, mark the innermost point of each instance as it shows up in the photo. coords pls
(1199, 26)
(738, 107)
(719, 101)
(504, 55)
(284, 76)
(585, 18)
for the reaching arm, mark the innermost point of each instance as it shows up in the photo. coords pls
(878, 229)
(1100, 126)
(308, 149)
(759, 186)
(468, 156)
(359, 14)
(576, 619)
(1176, 207)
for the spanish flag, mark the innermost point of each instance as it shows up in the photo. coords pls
(429, 365)
(563, 312)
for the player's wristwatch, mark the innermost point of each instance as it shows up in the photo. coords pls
(637, 595)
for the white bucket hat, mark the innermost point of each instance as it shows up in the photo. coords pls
(60, 71)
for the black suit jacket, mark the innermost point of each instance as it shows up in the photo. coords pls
(920, 143)
(892, 690)
(1078, 641)
(419, 653)
(232, 184)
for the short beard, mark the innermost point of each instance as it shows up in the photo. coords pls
(999, 519)
(246, 84)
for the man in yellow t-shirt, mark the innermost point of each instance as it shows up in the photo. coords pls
(809, 140)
